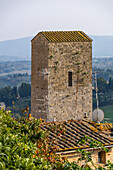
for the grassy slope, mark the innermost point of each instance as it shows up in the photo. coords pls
(108, 110)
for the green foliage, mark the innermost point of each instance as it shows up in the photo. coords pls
(55, 68)
(78, 63)
(105, 73)
(18, 144)
(56, 62)
(105, 92)
(25, 146)
(102, 84)
(85, 73)
(86, 155)
(25, 90)
(14, 79)
(76, 53)
(5, 95)
(51, 57)
(14, 92)
(108, 111)
(109, 165)
(8, 95)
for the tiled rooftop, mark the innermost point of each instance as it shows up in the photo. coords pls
(66, 36)
(73, 131)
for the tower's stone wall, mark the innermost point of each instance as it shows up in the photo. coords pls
(65, 102)
(51, 97)
(39, 84)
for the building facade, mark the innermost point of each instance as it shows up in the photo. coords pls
(61, 81)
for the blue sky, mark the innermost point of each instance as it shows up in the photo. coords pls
(22, 18)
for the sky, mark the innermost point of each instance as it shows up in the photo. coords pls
(22, 18)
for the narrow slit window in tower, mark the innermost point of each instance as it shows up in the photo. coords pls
(70, 78)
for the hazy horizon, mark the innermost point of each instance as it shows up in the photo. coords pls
(21, 47)
(37, 33)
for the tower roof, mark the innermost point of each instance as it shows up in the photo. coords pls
(65, 36)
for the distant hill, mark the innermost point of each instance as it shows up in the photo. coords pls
(20, 49)
(14, 50)
(102, 45)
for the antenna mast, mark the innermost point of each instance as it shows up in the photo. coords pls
(98, 114)
(96, 90)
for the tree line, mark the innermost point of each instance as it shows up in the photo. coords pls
(105, 92)
(8, 94)
(106, 74)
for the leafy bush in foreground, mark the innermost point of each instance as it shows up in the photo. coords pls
(18, 147)
(24, 146)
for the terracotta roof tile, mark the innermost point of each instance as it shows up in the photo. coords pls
(74, 130)
(65, 36)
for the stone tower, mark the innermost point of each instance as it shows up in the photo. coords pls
(61, 81)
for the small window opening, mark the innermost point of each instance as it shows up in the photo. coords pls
(111, 134)
(70, 78)
(102, 157)
(99, 157)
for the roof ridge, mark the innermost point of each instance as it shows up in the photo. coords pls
(65, 36)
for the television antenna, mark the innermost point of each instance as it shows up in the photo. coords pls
(98, 114)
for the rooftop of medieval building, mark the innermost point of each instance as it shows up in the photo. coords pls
(68, 133)
(65, 36)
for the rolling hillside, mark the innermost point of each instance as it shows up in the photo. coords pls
(15, 50)
(20, 49)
